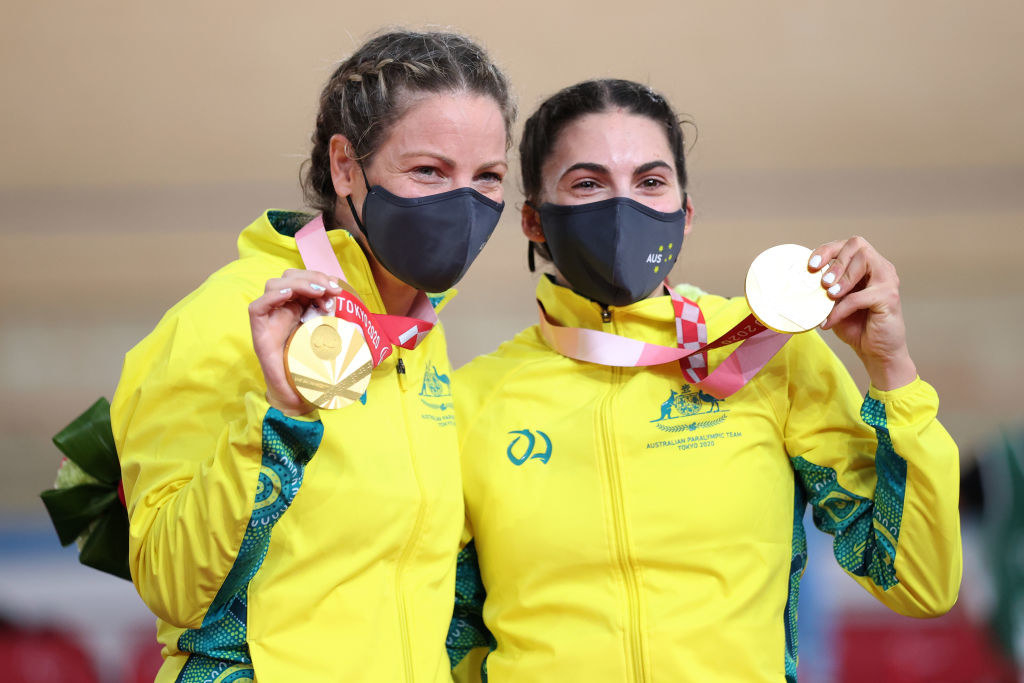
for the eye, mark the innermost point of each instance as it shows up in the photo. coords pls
(585, 185)
(491, 177)
(652, 183)
(426, 172)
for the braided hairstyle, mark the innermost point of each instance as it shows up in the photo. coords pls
(369, 92)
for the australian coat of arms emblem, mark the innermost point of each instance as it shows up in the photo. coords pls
(689, 402)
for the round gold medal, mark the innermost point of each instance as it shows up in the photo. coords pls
(328, 362)
(783, 294)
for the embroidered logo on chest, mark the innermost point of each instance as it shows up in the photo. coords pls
(436, 394)
(692, 414)
(521, 449)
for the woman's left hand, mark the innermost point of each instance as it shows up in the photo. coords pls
(867, 314)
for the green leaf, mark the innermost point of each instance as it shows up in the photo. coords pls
(73, 510)
(89, 442)
(106, 548)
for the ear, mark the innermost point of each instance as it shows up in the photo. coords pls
(344, 168)
(689, 215)
(531, 224)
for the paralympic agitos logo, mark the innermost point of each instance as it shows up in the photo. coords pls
(530, 452)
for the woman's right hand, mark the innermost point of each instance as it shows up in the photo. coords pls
(274, 316)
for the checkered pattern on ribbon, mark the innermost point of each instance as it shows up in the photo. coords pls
(691, 334)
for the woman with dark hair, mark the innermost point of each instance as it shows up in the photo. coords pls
(633, 521)
(273, 539)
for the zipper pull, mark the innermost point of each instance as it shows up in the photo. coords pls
(400, 370)
(606, 315)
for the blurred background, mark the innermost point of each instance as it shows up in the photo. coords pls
(138, 139)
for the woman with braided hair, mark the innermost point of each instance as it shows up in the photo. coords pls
(273, 539)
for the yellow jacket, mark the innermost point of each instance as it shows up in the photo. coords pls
(629, 527)
(255, 548)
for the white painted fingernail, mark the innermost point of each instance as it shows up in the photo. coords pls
(829, 278)
(834, 289)
(286, 290)
(330, 306)
(316, 288)
(815, 261)
(333, 284)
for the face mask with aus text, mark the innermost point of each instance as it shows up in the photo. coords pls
(615, 251)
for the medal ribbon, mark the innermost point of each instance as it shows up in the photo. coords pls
(759, 345)
(381, 331)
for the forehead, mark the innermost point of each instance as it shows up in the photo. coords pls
(449, 122)
(616, 139)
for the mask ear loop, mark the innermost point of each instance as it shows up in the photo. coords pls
(530, 246)
(352, 206)
(664, 284)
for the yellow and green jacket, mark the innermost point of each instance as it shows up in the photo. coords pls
(629, 527)
(312, 549)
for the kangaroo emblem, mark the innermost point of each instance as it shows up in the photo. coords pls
(666, 407)
(436, 391)
(435, 384)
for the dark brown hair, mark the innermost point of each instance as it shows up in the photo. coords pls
(368, 93)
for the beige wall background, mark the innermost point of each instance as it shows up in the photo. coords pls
(139, 138)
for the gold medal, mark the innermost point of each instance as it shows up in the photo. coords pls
(328, 362)
(783, 294)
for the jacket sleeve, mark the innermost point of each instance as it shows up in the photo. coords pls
(207, 466)
(469, 641)
(882, 476)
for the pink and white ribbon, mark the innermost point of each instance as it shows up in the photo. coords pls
(757, 346)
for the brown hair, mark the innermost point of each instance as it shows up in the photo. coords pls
(368, 93)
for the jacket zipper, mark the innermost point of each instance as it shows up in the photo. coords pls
(414, 534)
(626, 564)
(403, 622)
(400, 370)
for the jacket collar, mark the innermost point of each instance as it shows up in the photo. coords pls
(651, 320)
(273, 234)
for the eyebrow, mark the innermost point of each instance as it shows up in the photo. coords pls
(451, 162)
(433, 155)
(586, 166)
(650, 166)
(600, 168)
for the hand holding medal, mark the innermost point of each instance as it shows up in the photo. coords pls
(275, 316)
(867, 314)
(328, 360)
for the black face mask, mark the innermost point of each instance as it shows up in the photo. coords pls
(614, 251)
(427, 242)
